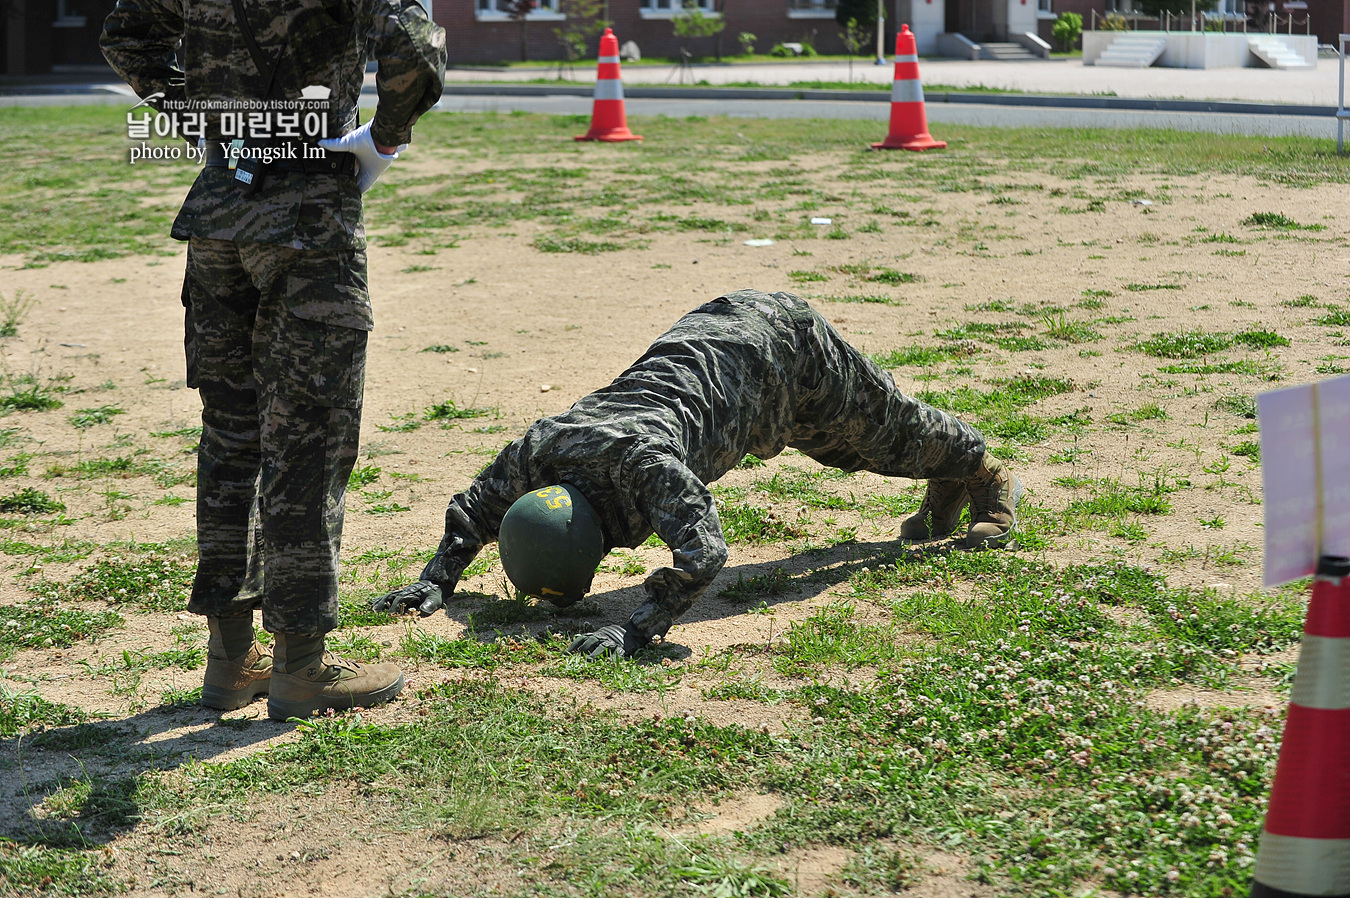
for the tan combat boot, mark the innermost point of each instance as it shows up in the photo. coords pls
(943, 502)
(238, 670)
(994, 494)
(308, 679)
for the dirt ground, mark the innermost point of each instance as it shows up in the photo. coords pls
(535, 330)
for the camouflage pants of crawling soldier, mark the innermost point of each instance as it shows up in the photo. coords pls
(276, 345)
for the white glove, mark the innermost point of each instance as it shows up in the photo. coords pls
(370, 162)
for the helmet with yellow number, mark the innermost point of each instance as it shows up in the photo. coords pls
(551, 543)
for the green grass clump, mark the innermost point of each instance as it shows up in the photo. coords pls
(743, 523)
(865, 298)
(42, 870)
(1184, 344)
(1242, 366)
(22, 711)
(773, 582)
(450, 411)
(28, 397)
(48, 624)
(834, 636)
(1275, 221)
(1258, 338)
(363, 476)
(1111, 500)
(1337, 317)
(1059, 327)
(1242, 406)
(150, 583)
(999, 412)
(548, 244)
(924, 356)
(893, 277)
(30, 501)
(469, 651)
(88, 417)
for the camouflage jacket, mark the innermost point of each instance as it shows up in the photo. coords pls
(720, 384)
(323, 43)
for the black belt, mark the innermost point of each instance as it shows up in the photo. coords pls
(332, 163)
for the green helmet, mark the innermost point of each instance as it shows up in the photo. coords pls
(551, 543)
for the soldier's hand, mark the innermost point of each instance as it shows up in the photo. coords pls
(423, 595)
(622, 641)
(370, 162)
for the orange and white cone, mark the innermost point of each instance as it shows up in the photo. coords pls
(1305, 846)
(608, 120)
(909, 120)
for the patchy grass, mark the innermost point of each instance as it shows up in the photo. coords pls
(989, 705)
(150, 582)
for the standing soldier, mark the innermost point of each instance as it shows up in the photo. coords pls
(277, 305)
(748, 373)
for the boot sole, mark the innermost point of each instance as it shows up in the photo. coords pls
(280, 709)
(233, 699)
(1006, 536)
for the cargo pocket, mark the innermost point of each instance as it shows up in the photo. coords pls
(322, 327)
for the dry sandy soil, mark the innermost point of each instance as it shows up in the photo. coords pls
(534, 330)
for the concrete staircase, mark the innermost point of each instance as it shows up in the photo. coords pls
(1132, 51)
(1276, 54)
(1006, 52)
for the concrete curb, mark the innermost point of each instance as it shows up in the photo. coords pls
(883, 96)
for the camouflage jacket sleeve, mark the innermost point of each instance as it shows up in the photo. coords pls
(681, 511)
(459, 546)
(475, 515)
(139, 40)
(410, 49)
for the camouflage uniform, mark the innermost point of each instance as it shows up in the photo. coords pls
(277, 308)
(748, 373)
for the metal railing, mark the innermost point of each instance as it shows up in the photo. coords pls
(1119, 20)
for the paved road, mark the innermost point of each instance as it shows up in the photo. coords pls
(938, 113)
(1068, 76)
(1304, 88)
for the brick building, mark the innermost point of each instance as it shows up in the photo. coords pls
(39, 36)
(481, 31)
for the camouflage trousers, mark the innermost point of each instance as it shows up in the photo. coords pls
(850, 414)
(276, 346)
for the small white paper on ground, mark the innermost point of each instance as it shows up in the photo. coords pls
(1289, 483)
(822, 221)
(759, 241)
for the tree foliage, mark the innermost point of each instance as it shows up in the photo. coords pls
(862, 13)
(584, 21)
(1067, 30)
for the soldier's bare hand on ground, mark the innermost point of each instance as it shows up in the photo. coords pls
(423, 595)
(622, 641)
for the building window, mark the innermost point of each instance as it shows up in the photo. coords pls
(65, 18)
(811, 9)
(496, 10)
(1043, 10)
(668, 9)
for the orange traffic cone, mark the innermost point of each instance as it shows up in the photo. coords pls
(608, 121)
(1305, 846)
(909, 121)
